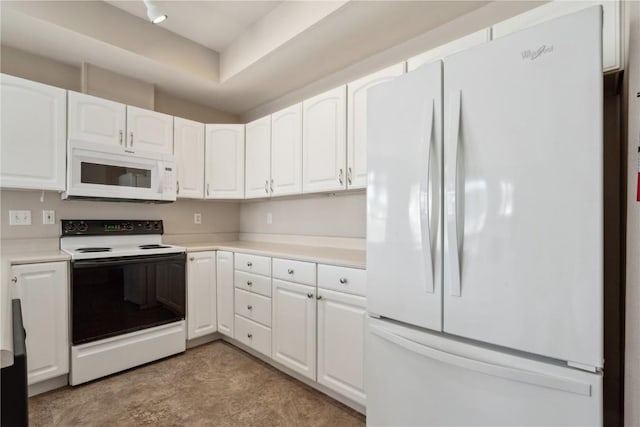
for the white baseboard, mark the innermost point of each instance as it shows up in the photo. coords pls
(48, 385)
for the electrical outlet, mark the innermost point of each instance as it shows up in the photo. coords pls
(48, 217)
(269, 218)
(197, 218)
(19, 217)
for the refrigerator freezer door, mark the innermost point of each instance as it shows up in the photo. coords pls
(419, 378)
(523, 263)
(404, 195)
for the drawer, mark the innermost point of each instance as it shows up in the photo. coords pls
(294, 271)
(342, 279)
(253, 306)
(252, 282)
(253, 335)
(253, 264)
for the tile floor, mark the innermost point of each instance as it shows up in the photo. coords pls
(215, 384)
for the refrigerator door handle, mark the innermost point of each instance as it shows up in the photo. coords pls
(425, 226)
(508, 373)
(452, 203)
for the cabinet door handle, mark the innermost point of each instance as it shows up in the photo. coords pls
(349, 176)
(340, 180)
(271, 185)
(266, 186)
(131, 139)
(249, 335)
(121, 136)
(249, 264)
(290, 271)
(249, 307)
(177, 186)
(249, 283)
(14, 279)
(343, 280)
(309, 295)
(192, 258)
(319, 297)
(207, 188)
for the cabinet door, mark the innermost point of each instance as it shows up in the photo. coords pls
(42, 289)
(294, 326)
(201, 294)
(224, 162)
(96, 120)
(33, 132)
(149, 131)
(450, 48)
(224, 284)
(357, 123)
(188, 139)
(286, 151)
(258, 158)
(612, 51)
(324, 141)
(341, 329)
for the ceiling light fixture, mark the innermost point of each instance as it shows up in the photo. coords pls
(153, 12)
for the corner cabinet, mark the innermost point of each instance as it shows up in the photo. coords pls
(96, 120)
(224, 161)
(201, 294)
(43, 291)
(33, 132)
(258, 158)
(188, 147)
(324, 136)
(356, 174)
(286, 151)
(224, 285)
(149, 131)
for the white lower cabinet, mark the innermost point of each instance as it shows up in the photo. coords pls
(294, 326)
(224, 285)
(201, 294)
(43, 292)
(341, 331)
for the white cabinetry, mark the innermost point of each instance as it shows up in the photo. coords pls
(324, 141)
(96, 120)
(43, 291)
(258, 158)
(149, 130)
(286, 151)
(224, 285)
(33, 134)
(201, 294)
(224, 161)
(188, 143)
(612, 28)
(450, 48)
(357, 123)
(294, 327)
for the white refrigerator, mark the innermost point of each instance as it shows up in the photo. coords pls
(484, 234)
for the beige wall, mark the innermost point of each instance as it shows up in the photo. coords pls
(339, 215)
(171, 104)
(217, 217)
(107, 84)
(632, 323)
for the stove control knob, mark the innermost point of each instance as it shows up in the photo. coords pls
(69, 227)
(82, 226)
(127, 226)
(147, 225)
(156, 226)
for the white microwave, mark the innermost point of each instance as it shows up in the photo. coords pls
(106, 173)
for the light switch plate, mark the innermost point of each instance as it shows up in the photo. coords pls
(269, 218)
(19, 217)
(48, 217)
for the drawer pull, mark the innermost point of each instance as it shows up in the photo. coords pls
(249, 335)
(249, 307)
(192, 258)
(290, 271)
(343, 280)
(319, 297)
(249, 263)
(14, 279)
(249, 283)
(309, 295)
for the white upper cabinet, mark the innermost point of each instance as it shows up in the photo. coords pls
(324, 141)
(201, 294)
(33, 134)
(149, 130)
(612, 28)
(450, 48)
(357, 123)
(188, 144)
(224, 161)
(286, 151)
(258, 158)
(96, 120)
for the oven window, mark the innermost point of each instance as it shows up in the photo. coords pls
(95, 173)
(114, 298)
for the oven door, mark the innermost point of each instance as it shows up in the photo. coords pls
(114, 296)
(113, 175)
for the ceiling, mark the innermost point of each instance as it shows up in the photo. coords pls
(231, 55)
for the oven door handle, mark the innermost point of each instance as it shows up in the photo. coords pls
(103, 262)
